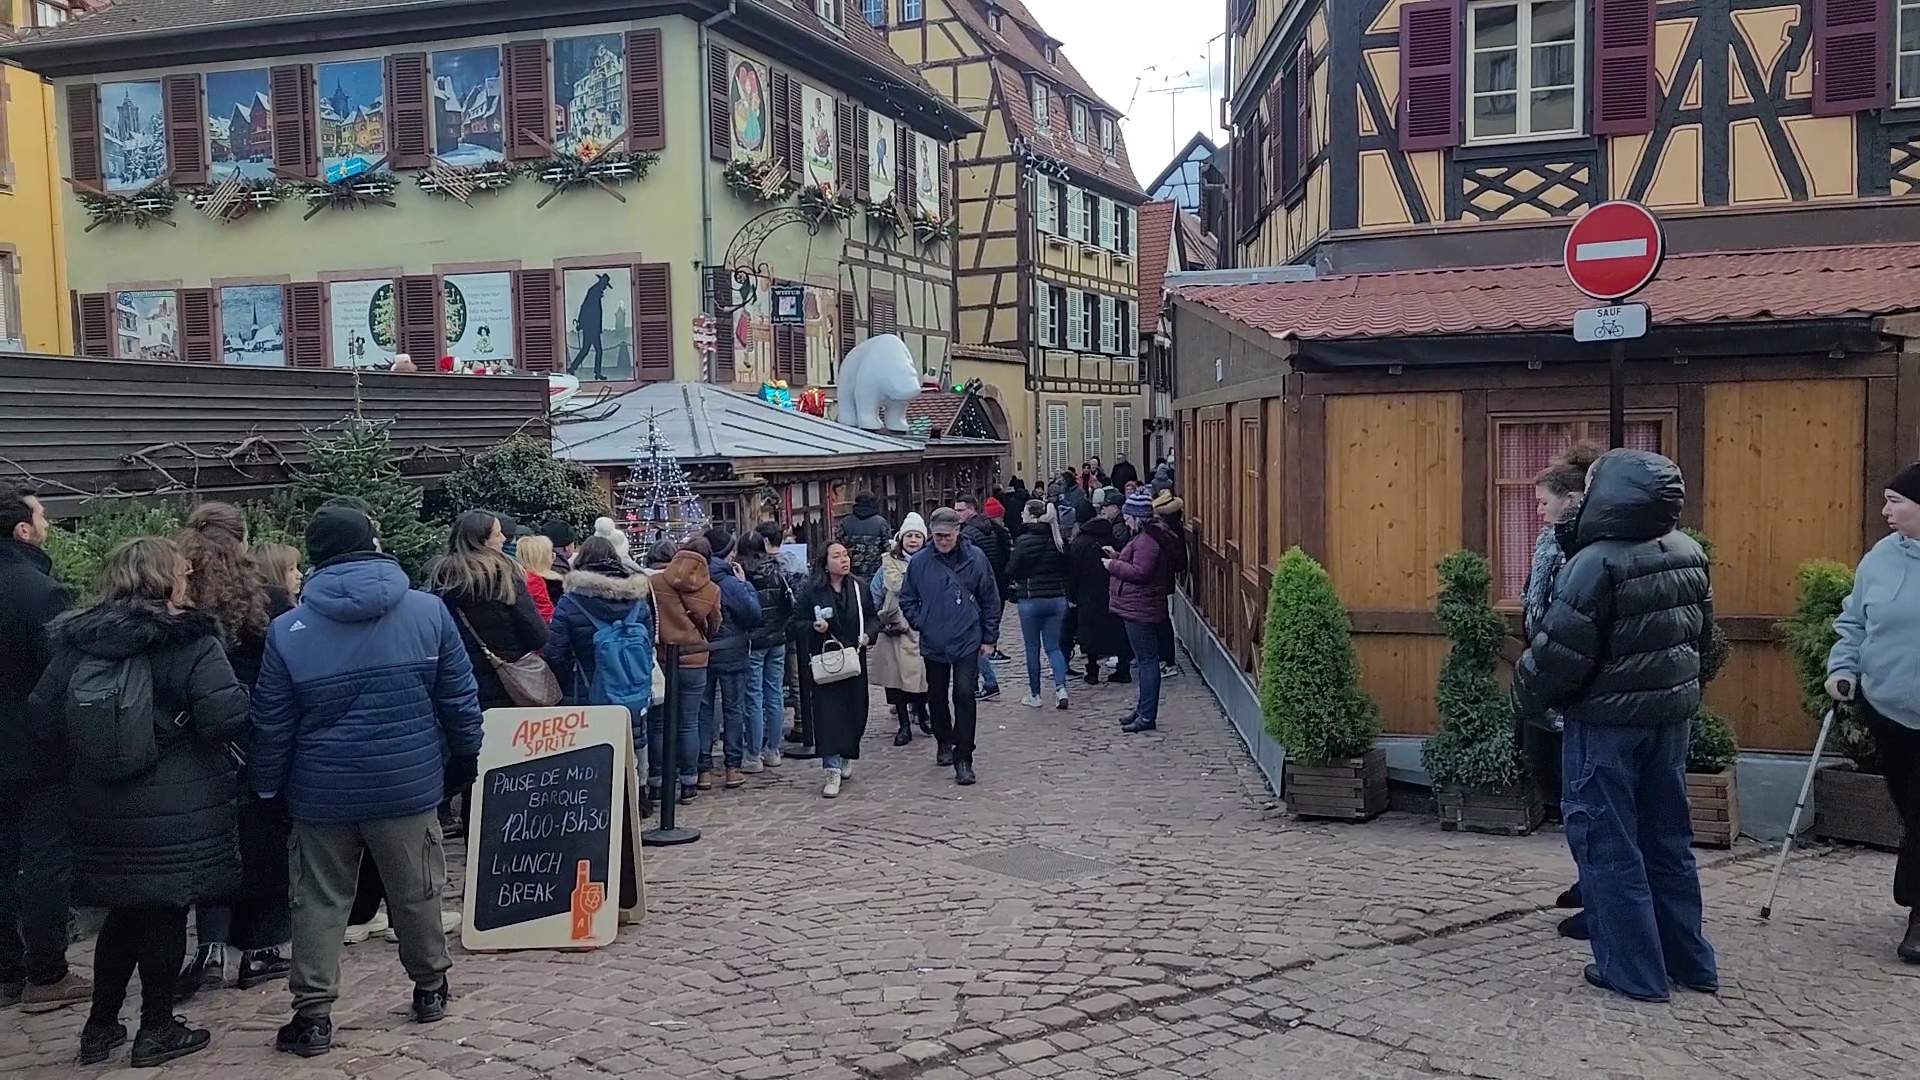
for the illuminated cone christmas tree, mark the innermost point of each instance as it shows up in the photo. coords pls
(655, 500)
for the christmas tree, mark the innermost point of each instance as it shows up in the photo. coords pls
(656, 502)
(359, 462)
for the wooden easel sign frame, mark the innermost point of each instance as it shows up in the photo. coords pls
(553, 822)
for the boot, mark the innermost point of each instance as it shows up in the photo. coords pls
(922, 719)
(161, 1043)
(1575, 926)
(944, 755)
(905, 734)
(206, 970)
(1910, 945)
(963, 772)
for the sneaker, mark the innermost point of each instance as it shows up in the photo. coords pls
(1127, 720)
(1909, 950)
(206, 970)
(430, 1006)
(705, 781)
(158, 1045)
(1592, 974)
(771, 759)
(846, 770)
(1060, 697)
(963, 773)
(989, 694)
(305, 1036)
(1031, 701)
(263, 966)
(832, 788)
(752, 766)
(944, 755)
(1109, 665)
(99, 1041)
(999, 657)
(1138, 725)
(450, 920)
(1171, 669)
(735, 778)
(688, 793)
(1574, 926)
(1121, 678)
(376, 925)
(70, 990)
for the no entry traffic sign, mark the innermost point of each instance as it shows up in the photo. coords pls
(1614, 250)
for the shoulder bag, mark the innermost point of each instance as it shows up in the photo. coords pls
(528, 680)
(836, 662)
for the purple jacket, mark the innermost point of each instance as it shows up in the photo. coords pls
(1141, 578)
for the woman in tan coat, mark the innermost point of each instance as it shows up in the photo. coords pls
(897, 666)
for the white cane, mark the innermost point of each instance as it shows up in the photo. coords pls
(1793, 826)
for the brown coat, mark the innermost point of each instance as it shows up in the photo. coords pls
(689, 605)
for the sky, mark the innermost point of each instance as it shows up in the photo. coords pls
(1135, 53)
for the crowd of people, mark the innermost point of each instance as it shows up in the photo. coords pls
(279, 758)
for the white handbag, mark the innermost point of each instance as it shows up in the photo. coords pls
(836, 662)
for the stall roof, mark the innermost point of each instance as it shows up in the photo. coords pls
(1721, 287)
(704, 422)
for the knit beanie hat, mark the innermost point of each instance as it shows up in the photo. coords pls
(1908, 482)
(336, 531)
(606, 528)
(914, 524)
(1138, 505)
(993, 508)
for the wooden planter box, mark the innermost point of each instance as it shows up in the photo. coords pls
(1502, 812)
(1713, 802)
(1351, 790)
(1855, 806)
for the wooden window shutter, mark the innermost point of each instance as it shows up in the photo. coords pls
(420, 318)
(1278, 154)
(186, 129)
(862, 153)
(94, 323)
(790, 354)
(653, 322)
(1303, 115)
(306, 324)
(844, 116)
(796, 131)
(291, 89)
(528, 100)
(850, 333)
(646, 92)
(1850, 47)
(1430, 75)
(1624, 101)
(409, 142)
(538, 348)
(197, 335)
(719, 104)
(903, 152)
(883, 316)
(783, 142)
(83, 134)
(720, 296)
(946, 182)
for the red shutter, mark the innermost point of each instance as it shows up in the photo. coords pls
(197, 335)
(796, 131)
(1303, 114)
(905, 146)
(305, 307)
(646, 90)
(83, 133)
(844, 157)
(1430, 75)
(849, 332)
(782, 122)
(291, 88)
(862, 153)
(653, 322)
(537, 348)
(408, 143)
(186, 129)
(719, 104)
(1624, 101)
(95, 324)
(419, 316)
(946, 182)
(1850, 46)
(310, 125)
(720, 294)
(529, 100)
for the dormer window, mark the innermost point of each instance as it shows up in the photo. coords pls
(876, 13)
(993, 19)
(1106, 134)
(1050, 54)
(1042, 105)
(1079, 122)
(828, 10)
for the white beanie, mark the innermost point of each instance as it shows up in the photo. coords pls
(606, 528)
(914, 524)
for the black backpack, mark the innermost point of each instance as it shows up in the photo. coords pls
(111, 719)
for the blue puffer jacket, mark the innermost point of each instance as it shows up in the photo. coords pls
(740, 616)
(953, 601)
(364, 694)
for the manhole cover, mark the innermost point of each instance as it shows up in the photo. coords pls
(1035, 862)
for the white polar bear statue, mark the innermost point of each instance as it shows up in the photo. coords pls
(877, 379)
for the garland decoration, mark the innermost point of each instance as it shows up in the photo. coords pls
(891, 215)
(236, 197)
(930, 229)
(564, 171)
(153, 203)
(820, 204)
(353, 193)
(760, 181)
(458, 182)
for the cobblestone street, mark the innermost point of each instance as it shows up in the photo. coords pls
(1100, 905)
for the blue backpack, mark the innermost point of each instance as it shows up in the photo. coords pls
(622, 662)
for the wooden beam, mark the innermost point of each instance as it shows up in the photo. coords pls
(1690, 452)
(1476, 473)
(1648, 373)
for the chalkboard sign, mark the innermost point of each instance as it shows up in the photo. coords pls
(548, 838)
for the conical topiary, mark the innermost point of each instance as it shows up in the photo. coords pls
(1474, 750)
(1310, 685)
(1823, 586)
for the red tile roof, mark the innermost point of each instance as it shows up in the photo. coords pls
(1154, 230)
(1794, 283)
(1198, 251)
(942, 407)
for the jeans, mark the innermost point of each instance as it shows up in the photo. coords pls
(1625, 807)
(36, 883)
(1899, 748)
(1144, 640)
(1040, 625)
(731, 688)
(832, 761)
(325, 866)
(950, 701)
(766, 699)
(150, 940)
(682, 712)
(988, 680)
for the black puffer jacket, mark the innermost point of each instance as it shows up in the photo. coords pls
(995, 542)
(770, 579)
(865, 533)
(167, 839)
(29, 600)
(1037, 568)
(1620, 642)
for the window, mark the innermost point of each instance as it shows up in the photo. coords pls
(11, 336)
(1523, 73)
(1907, 84)
(993, 19)
(912, 11)
(1090, 431)
(1044, 327)
(1076, 214)
(876, 12)
(1105, 307)
(1123, 229)
(1076, 319)
(1106, 135)
(1056, 438)
(1046, 208)
(50, 12)
(1079, 122)
(1523, 447)
(1106, 219)
(1090, 218)
(1089, 321)
(1042, 105)
(1122, 432)
(828, 10)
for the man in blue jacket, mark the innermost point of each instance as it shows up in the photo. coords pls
(727, 664)
(366, 716)
(951, 598)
